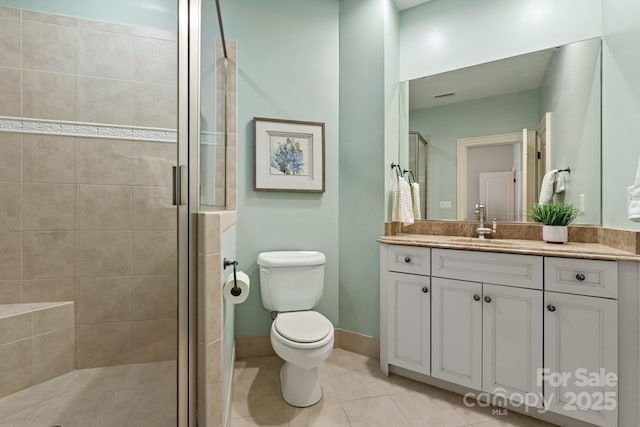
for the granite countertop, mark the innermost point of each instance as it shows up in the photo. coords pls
(513, 246)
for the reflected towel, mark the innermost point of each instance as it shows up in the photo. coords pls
(402, 211)
(415, 200)
(547, 189)
(562, 179)
(633, 193)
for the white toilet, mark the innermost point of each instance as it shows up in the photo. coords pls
(291, 284)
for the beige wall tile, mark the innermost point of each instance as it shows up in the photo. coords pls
(209, 298)
(153, 209)
(253, 346)
(114, 105)
(10, 206)
(97, 50)
(10, 157)
(48, 18)
(153, 297)
(53, 319)
(49, 290)
(10, 98)
(156, 339)
(53, 354)
(153, 162)
(107, 27)
(104, 161)
(10, 258)
(48, 255)
(47, 158)
(154, 61)
(10, 42)
(105, 208)
(9, 292)
(51, 207)
(49, 96)
(48, 47)
(154, 105)
(154, 33)
(102, 299)
(104, 253)
(215, 395)
(15, 366)
(14, 328)
(154, 252)
(208, 233)
(9, 12)
(99, 342)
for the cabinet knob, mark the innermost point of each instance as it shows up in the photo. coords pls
(407, 259)
(551, 308)
(487, 299)
(580, 277)
(476, 298)
(425, 289)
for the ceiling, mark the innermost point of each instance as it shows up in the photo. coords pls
(524, 72)
(406, 4)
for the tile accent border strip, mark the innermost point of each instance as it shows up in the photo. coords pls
(88, 130)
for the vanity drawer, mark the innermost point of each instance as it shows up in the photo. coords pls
(409, 259)
(583, 277)
(523, 271)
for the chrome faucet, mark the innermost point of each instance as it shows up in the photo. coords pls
(482, 230)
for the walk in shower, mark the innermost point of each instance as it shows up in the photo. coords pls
(93, 247)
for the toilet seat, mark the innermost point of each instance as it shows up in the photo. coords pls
(302, 329)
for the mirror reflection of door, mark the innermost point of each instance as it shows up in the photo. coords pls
(497, 191)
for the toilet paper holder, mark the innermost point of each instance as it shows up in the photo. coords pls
(235, 291)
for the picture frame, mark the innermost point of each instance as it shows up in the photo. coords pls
(288, 155)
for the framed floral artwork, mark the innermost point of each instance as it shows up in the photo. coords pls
(288, 155)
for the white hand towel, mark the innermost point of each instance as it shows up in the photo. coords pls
(415, 200)
(633, 193)
(402, 211)
(562, 179)
(547, 187)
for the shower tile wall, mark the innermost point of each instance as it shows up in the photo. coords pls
(82, 219)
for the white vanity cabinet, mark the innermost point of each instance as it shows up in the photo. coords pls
(581, 339)
(487, 336)
(493, 322)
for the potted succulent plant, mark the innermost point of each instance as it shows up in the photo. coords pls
(554, 218)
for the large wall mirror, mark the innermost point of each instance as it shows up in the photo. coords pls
(489, 133)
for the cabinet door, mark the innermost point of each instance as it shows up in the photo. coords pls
(512, 340)
(457, 331)
(580, 333)
(409, 321)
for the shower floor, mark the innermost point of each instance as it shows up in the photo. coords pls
(120, 396)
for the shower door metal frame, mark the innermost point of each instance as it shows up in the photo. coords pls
(188, 23)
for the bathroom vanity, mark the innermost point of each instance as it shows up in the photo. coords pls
(515, 321)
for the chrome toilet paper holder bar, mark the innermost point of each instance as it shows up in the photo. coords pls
(235, 291)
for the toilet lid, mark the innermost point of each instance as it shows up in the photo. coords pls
(303, 326)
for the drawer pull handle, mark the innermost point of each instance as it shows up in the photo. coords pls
(476, 298)
(551, 308)
(425, 289)
(407, 259)
(487, 299)
(580, 277)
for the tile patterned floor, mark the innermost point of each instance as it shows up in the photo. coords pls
(356, 393)
(137, 395)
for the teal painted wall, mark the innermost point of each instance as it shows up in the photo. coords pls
(445, 124)
(444, 35)
(287, 69)
(362, 133)
(161, 14)
(621, 108)
(228, 250)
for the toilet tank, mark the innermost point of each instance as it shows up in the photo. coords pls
(291, 280)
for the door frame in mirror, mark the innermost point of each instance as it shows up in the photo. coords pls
(527, 167)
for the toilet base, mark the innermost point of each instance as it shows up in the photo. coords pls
(300, 387)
